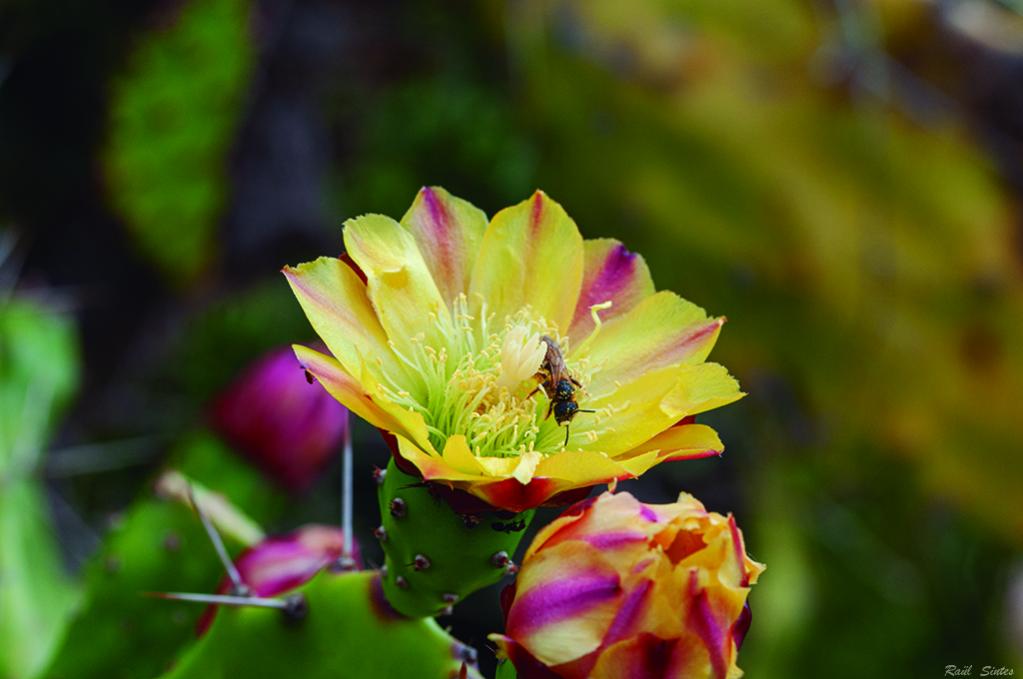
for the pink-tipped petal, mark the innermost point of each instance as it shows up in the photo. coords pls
(531, 255)
(448, 231)
(661, 330)
(611, 273)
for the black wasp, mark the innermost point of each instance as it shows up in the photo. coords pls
(559, 386)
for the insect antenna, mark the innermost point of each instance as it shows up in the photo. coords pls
(581, 410)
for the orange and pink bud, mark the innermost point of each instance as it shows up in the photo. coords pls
(618, 588)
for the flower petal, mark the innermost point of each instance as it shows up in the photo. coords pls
(618, 523)
(448, 231)
(610, 273)
(682, 442)
(460, 459)
(646, 656)
(661, 330)
(401, 287)
(652, 403)
(360, 395)
(532, 254)
(334, 299)
(559, 615)
(579, 468)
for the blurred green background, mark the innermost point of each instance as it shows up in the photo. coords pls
(841, 178)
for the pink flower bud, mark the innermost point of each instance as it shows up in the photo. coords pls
(279, 564)
(618, 588)
(286, 425)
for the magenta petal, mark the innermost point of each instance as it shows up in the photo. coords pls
(553, 602)
(611, 273)
(706, 625)
(742, 625)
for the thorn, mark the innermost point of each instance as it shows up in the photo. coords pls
(449, 598)
(308, 377)
(420, 562)
(220, 599)
(500, 559)
(447, 610)
(398, 508)
(512, 568)
(470, 520)
(380, 533)
(344, 564)
(347, 495)
(401, 582)
(379, 475)
(238, 586)
(383, 571)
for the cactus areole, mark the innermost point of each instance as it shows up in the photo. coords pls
(436, 556)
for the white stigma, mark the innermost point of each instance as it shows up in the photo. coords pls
(522, 352)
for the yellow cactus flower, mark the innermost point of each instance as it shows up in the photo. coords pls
(617, 588)
(437, 325)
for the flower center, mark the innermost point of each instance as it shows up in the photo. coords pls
(482, 383)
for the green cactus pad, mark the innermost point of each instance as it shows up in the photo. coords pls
(434, 556)
(38, 374)
(117, 633)
(348, 631)
(174, 112)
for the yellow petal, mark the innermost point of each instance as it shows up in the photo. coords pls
(334, 299)
(661, 330)
(345, 388)
(691, 438)
(654, 402)
(458, 456)
(401, 288)
(448, 231)
(532, 254)
(580, 467)
(705, 386)
(456, 465)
